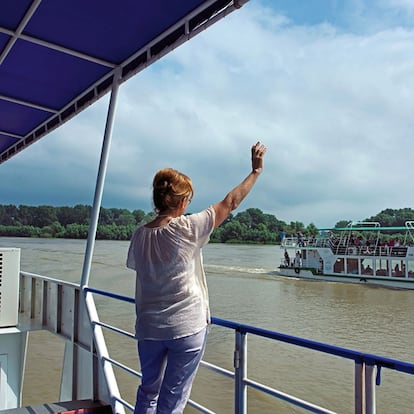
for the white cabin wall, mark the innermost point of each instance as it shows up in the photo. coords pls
(13, 346)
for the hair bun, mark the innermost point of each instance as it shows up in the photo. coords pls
(162, 186)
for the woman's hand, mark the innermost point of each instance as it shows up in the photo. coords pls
(258, 152)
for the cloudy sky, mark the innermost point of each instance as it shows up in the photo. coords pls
(327, 85)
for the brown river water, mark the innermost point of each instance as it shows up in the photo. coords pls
(243, 287)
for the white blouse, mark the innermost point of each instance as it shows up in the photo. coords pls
(171, 291)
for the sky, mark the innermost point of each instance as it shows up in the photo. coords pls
(326, 85)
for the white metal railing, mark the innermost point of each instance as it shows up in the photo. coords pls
(367, 371)
(58, 306)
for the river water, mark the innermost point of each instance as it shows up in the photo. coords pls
(243, 287)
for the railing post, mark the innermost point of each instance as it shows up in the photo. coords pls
(240, 372)
(370, 389)
(359, 388)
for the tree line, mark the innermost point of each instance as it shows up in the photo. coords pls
(249, 226)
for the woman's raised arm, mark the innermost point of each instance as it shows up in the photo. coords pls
(232, 200)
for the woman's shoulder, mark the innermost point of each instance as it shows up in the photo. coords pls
(200, 217)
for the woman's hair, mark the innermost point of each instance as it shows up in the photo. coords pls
(169, 188)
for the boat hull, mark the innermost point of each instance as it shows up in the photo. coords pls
(360, 279)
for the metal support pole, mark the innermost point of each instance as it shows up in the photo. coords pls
(359, 388)
(103, 163)
(370, 389)
(240, 373)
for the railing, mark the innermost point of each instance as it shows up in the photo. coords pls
(347, 249)
(367, 367)
(315, 242)
(57, 306)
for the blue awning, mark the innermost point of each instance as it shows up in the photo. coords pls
(57, 57)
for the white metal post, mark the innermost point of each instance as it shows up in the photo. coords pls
(359, 388)
(103, 163)
(370, 389)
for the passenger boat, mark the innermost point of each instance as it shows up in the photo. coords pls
(362, 252)
(51, 73)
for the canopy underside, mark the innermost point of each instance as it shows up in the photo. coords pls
(58, 57)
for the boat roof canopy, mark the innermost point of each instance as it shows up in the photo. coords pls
(58, 57)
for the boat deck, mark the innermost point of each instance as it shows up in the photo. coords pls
(65, 407)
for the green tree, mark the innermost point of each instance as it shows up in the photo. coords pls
(76, 231)
(125, 218)
(311, 230)
(9, 215)
(342, 224)
(82, 214)
(139, 216)
(233, 231)
(66, 215)
(44, 216)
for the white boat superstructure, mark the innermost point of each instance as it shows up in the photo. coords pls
(363, 252)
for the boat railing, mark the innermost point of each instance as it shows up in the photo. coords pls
(57, 306)
(367, 367)
(305, 242)
(352, 250)
(345, 249)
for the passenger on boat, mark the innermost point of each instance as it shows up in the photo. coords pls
(320, 265)
(301, 242)
(287, 258)
(171, 298)
(298, 259)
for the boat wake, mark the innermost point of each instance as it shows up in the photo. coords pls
(226, 270)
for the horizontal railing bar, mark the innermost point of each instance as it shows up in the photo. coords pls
(126, 404)
(122, 366)
(114, 329)
(110, 294)
(288, 398)
(357, 356)
(49, 279)
(217, 369)
(200, 407)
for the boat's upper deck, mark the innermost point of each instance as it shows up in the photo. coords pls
(361, 239)
(347, 249)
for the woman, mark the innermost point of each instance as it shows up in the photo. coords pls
(172, 309)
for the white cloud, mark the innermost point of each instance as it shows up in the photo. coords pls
(333, 107)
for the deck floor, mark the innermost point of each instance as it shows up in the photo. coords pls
(72, 407)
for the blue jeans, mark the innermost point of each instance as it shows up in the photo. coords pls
(168, 370)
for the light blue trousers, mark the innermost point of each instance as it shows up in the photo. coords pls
(168, 370)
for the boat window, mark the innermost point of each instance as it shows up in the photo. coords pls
(381, 266)
(352, 266)
(339, 266)
(410, 268)
(367, 267)
(398, 268)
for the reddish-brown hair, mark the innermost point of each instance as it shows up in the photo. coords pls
(169, 188)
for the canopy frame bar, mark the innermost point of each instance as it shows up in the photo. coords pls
(15, 35)
(54, 46)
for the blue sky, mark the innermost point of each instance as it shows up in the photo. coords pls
(328, 86)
